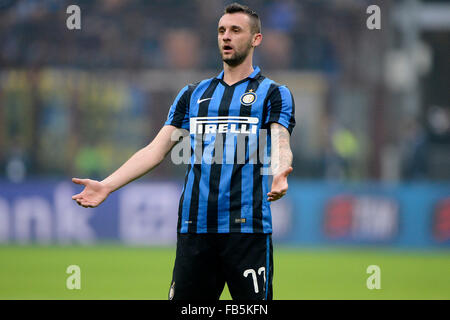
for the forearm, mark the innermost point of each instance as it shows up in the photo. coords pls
(139, 164)
(142, 161)
(281, 154)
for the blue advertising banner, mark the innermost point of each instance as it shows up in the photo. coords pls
(315, 213)
(404, 215)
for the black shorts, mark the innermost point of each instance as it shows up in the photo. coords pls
(205, 262)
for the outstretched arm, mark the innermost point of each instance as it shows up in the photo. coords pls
(143, 161)
(281, 161)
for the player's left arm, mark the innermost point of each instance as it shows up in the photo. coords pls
(281, 161)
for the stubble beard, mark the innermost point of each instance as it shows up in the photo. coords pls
(238, 57)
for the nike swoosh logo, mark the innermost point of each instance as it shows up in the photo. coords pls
(200, 101)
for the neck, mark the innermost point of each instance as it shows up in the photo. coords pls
(233, 74)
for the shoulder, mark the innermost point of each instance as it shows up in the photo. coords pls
(190, 88)
(277, 91)
(271, 85)
(282, 88)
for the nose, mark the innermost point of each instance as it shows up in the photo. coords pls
(226, 36)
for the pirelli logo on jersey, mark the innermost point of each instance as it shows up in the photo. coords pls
(206, 145)
(224, 124)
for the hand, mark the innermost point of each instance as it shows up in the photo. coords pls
(93, 194)
(279, 185)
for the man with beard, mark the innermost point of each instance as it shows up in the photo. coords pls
(224, 220)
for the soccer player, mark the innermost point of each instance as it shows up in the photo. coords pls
(224, 220)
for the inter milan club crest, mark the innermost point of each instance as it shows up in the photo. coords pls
(248, 98)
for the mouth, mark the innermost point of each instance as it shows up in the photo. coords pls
(227, 48)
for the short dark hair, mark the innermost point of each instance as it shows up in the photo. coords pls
(255, 24)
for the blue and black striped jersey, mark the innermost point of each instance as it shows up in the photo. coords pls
(225, 185)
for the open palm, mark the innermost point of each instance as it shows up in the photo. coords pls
(93, 194)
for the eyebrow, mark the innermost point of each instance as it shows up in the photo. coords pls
(232, 27)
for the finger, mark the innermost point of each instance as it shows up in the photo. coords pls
(77, 196)
(90, 204)
(79, 181)
(279, 196)
(279, 192)
(82, 202)
(79, 199)
(86, 203)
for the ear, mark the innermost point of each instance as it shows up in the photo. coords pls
(257, 38)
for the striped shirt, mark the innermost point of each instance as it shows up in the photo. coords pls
(225, 186)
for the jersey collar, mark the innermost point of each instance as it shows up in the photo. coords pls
(253, 75)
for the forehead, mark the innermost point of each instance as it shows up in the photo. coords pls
(235, 19)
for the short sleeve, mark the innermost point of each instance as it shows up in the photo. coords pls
(281, 108)
(179, 111)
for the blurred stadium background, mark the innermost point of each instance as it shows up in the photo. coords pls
(371, 179)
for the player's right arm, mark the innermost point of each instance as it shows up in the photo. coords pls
(143, 161)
